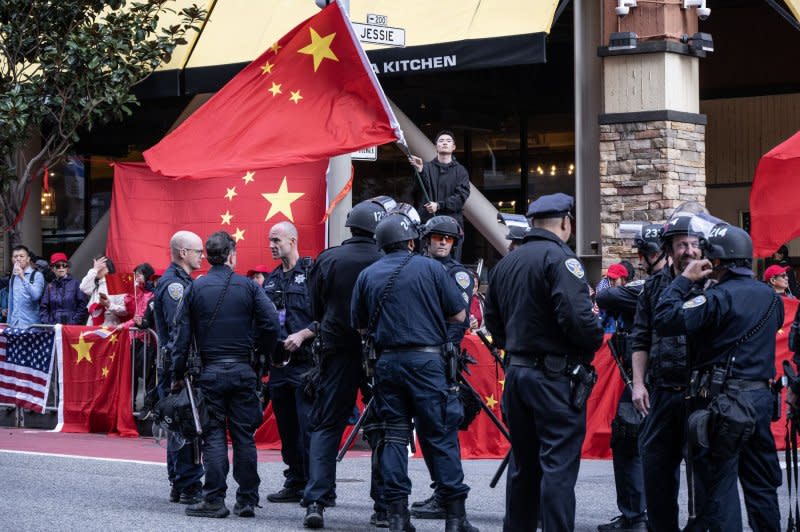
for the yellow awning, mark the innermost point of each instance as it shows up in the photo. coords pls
(794, 7)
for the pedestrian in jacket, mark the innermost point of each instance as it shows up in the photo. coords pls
(63, 302)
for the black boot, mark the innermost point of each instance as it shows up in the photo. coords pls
(399, 518)
(314, 517)
(456, 520)
(431, 508)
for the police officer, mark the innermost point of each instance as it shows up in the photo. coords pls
(732, 328)
(330, 284)
(620, 301)
(228, 317)
(660, 376)
(439, 235)
(538, 308)
(186, 251)
(404, 303)
(292, 361)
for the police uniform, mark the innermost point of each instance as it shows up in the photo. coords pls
(621, 302)
(715, 321)
(410, 373)
(289, 292)
(538, 308)
(330, 284)
(662, 435)
(184, 475)
(245, 320)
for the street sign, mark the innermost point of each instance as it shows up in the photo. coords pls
(365, 154)
(379, 34)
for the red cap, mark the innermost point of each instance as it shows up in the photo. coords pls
(774, 270)
(261, 268)
(58, 257)
(616, 271)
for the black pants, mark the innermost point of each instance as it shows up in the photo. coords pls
(340, 374)
(292, 409)
(546, 438)
(230, 393)
(628, 476)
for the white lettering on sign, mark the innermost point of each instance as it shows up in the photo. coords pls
(410, 65)
(374, 34)
(365, 154)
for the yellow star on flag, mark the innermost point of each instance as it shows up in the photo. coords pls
(491, 401)
(231, 193)
(275, 89)
(275, 47)
(113, 339)
(111, 356)
(84, 350)
(281, 201)
(320, 48)
(226, 218)
(105, 372)
(239, 234)
(295, 97)
(780, 331)
(502, 383)
(249, 177)
(266, 68)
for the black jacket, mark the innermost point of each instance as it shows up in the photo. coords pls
(538, 301)
(447, 185)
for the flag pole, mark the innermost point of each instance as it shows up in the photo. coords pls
(407, 152)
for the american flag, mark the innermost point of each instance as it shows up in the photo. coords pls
(26, 364)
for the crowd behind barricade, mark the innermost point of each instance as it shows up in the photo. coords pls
(384, 314)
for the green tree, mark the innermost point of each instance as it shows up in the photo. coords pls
(67, 66)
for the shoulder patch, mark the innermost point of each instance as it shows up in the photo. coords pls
(175, 291)
(575, 268)
(462, 278)
(695, 302)
(637, 282)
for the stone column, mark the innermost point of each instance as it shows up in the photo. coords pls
(652, 137)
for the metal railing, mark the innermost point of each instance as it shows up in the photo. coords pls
(147, 338)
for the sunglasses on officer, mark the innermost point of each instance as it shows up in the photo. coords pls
(442, 238)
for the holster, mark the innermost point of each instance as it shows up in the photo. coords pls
(451, 363)
(583, 380)
(369, 357)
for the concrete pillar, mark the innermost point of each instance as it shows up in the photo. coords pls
(339, 172)
(651, 135)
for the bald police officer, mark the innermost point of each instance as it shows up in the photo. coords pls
(404, 302)
(538, 308)
(226, 316)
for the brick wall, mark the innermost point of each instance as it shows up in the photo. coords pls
(646, 170)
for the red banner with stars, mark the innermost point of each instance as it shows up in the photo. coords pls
(311, 95)
(147, 209)
(95, 380)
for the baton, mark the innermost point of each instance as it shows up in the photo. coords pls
(356, 428)
(196, 418)
(500, 470)
(502, 428)
(612, 346)
(490, 346)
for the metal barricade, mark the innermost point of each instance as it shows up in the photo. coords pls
(147, 341)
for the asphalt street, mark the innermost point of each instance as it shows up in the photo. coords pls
(47, 492)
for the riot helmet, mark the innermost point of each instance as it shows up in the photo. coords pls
(648, 240)
(366, 215)
(443, 225)
(408, 210)
(395, 227)
(732, 246)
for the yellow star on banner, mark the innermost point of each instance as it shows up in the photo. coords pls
(105, 372)
(281, 201)
(502, 383)
(226, 218)
(320, 48)
(113, 339)
(780, 331)
(249, 177)
(295, 97)
(239, 234)
(275, 47)
(231, 193)
(266, 68)
(84, 350)
(111, 356)
(491, 401)
(275, 89)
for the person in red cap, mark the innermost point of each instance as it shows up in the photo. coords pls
(62, 301)
(617, 274)
(258, 274)
(777, 277)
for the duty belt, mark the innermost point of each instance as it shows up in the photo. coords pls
(551, 363)
(226, 360)
(743, 385)
(413, 349)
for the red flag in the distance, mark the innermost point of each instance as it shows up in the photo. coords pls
(774, 204)
(147, 209)
(312, 95)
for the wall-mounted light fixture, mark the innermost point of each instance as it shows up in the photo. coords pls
(700, 41)
(624, 7)
(702, 11)
(622, 40)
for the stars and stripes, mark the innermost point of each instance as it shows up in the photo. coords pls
(26, 365)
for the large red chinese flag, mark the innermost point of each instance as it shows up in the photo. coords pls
(774, 203)
(147, 209)
(95, 372)
(312, 95)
